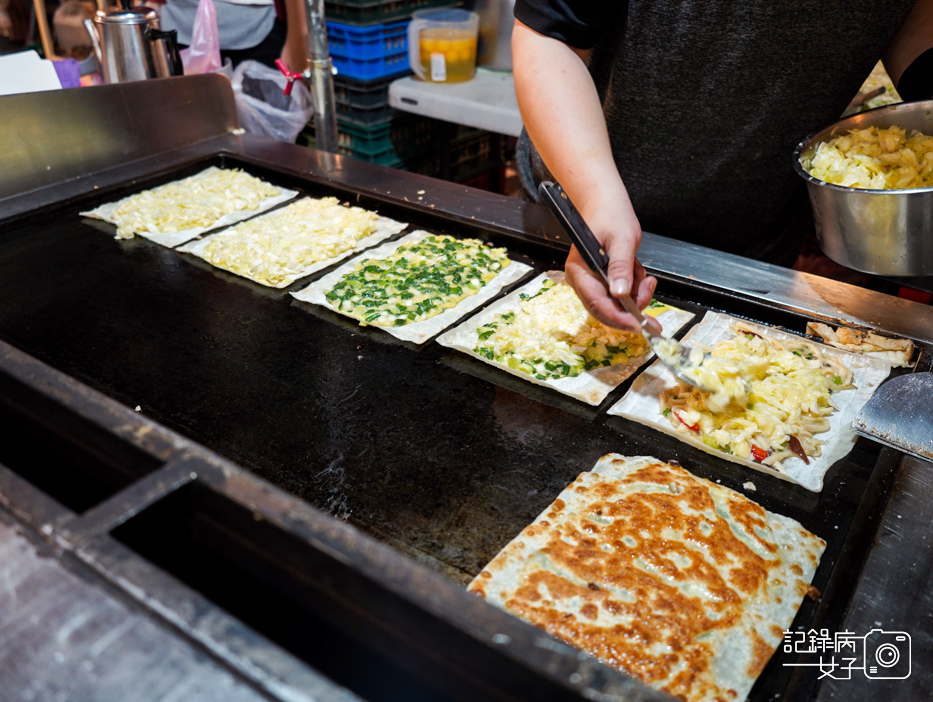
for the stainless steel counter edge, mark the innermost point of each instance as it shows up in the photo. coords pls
(792, 290)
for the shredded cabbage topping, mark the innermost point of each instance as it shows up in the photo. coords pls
(196, 202)
(277, 248)
(880, 159)
(790, 388)
(416, 281)
(550, 335)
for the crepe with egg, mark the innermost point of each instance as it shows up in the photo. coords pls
(543, 334)
(897, 352)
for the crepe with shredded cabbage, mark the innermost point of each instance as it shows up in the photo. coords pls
(790, 386)
(786, 398)
(176, 212)
(305, 236)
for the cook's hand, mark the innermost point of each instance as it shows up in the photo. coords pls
(626, 276)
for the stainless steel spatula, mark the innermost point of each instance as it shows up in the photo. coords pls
(900, 415)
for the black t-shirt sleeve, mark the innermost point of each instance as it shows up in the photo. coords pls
(577, 23)
(916, 82)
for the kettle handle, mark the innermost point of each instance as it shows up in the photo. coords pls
(171, 39)
(414, 47)
(95, 42)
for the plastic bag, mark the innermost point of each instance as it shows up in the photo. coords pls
(203, 55)
(262, 106)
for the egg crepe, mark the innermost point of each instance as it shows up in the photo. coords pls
(558, 325)
(680, 582)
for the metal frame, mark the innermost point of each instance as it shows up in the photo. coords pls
(133, 141)
(322, 78)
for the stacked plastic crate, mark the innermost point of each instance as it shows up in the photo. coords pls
(369, 48)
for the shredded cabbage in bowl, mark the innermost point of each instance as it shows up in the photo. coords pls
(277, 248)
(790, 388)
(196, 202)
(876, 158)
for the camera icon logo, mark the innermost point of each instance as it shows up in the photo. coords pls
(887, 655)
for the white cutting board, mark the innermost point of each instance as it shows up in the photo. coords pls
(25, 72)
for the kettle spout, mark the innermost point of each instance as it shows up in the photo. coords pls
(95, 41)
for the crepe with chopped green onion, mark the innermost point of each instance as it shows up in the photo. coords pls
(415, 287)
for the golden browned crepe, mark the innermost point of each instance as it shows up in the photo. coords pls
(680, 582)
(897, 352)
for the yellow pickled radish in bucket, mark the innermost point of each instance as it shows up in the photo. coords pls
(442, 45)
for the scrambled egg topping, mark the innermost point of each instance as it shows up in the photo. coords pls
(192, 203)
(880, 159)
(790, 388)
(551, 335)
(417, 281)
(277, 248)
(721, 380)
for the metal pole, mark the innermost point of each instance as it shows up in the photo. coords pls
(42, 21)
(322, 78)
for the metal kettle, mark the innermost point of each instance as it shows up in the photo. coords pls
(130, 46)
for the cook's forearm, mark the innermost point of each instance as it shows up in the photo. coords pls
(563, 116)
(912, 40)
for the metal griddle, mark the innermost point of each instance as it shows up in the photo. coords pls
(434, 454)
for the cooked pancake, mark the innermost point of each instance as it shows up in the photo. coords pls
(897, 352)
(680, 582)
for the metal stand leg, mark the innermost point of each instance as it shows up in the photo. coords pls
(322, 78)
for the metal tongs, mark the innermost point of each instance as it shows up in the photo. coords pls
(680, 359)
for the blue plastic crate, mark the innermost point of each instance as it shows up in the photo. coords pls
(368, 12)
(370, 69)
(376, 41)
(369, 53)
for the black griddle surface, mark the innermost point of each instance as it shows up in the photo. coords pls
(433, 452)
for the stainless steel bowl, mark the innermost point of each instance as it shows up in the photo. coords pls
(886, 232)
